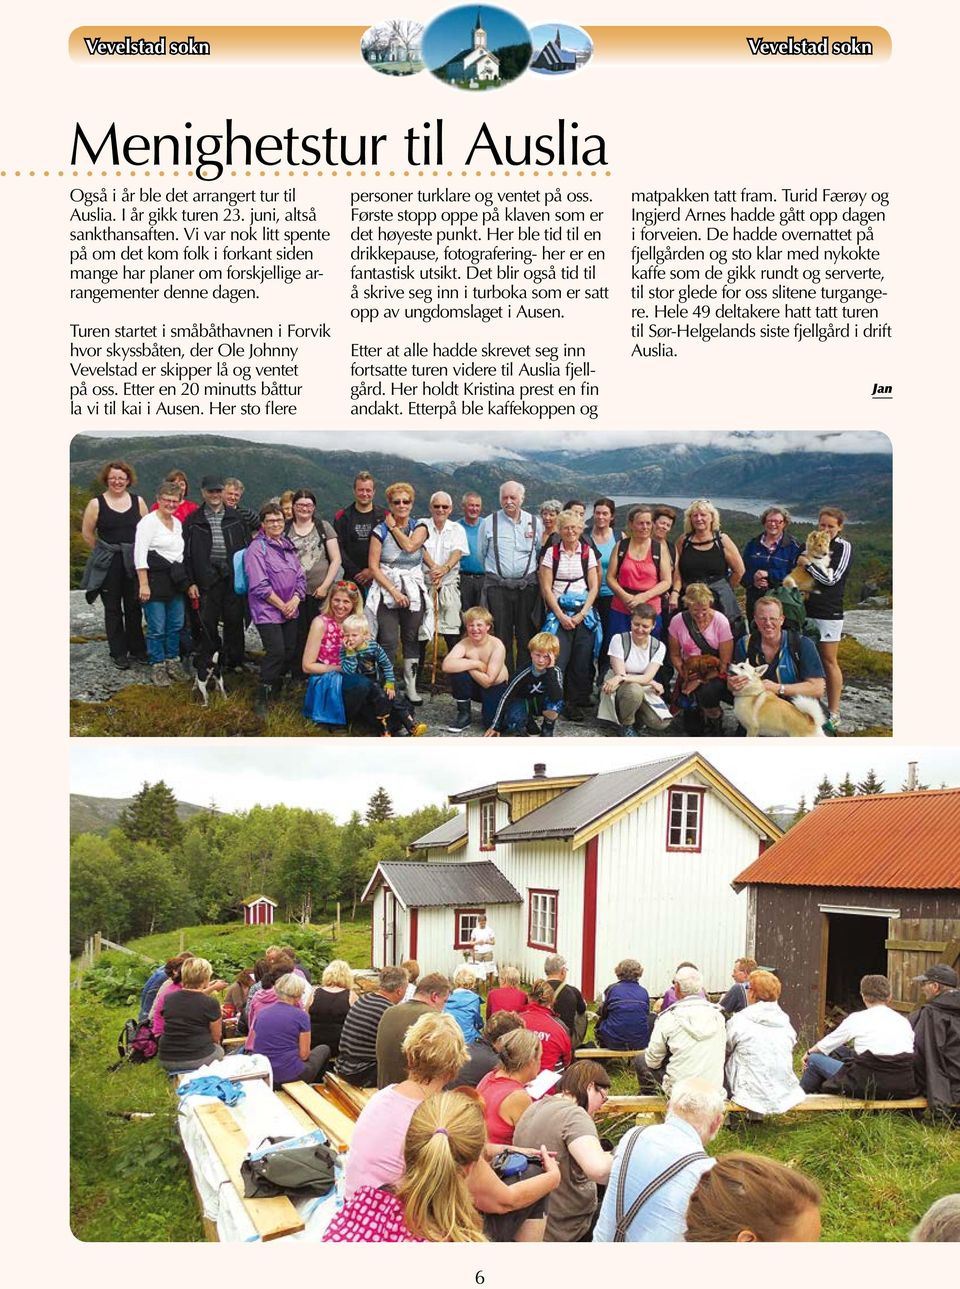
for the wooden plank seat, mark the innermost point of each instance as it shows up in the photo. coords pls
(231, 1044)
(606, 1054)
(324, 1112)
(657, 1105)
(271, 1218)
(346, 1095)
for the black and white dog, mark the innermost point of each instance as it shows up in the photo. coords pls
(210, 676)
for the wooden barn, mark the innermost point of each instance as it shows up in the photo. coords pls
(637, 862)
(258, 910)
(860, 885)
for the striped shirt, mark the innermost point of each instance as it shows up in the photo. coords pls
(358, 1039)
(218, 547)
(826, 600)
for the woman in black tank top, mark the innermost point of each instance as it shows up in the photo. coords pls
(330, 1004)
(112, 517)
(704, 553)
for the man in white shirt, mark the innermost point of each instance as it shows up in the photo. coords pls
(878, 1029)
(446, 544)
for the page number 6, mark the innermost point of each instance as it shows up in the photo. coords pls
(478, 1278)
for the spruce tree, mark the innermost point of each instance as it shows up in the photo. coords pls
(379, 807)
(152, 816)
(847, 788)
(800, 811)
(869, 786)
(825, 790)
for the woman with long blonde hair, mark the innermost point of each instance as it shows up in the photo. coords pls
(431, 1201)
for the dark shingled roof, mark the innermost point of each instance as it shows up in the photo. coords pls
(420, 885)
(578, 807)
(446, 834)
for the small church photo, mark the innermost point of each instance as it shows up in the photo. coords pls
(476, 49)
(559, 48)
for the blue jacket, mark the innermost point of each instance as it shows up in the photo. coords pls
(150, 991)
(624, 1016)
(464, 1006)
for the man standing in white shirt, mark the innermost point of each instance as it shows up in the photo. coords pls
(878, 1030)
(442, 551)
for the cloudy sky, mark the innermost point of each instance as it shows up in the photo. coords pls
(466, 446)
(341, 776)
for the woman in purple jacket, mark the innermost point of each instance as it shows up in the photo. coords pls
(276, 587)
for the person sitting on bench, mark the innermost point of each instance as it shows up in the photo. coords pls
(873, 1051)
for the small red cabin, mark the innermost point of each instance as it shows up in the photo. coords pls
(258, 911)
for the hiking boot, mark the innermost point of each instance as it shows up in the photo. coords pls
(547, 728)
(122, 663)
(533, 727)
(627, 731)
(713, 726)
(175, 669)
(419, 729)
(573, 713)
(159, 673)
(262, 701)
(463, 714)
(832, 726)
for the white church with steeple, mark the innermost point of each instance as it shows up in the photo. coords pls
(475, 65)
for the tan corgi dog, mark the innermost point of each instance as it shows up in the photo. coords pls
(818, 549)
(761, 712)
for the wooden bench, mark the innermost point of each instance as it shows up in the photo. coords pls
(271, 1218)
(323, 1112)
(656, 1105)
(606, 1054)
(351, 1099)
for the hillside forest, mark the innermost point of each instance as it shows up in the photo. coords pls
(153, 871)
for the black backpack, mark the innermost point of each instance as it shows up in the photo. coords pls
(624, 546)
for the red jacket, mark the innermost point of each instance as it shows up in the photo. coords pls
(505, 999)
(557, 1051)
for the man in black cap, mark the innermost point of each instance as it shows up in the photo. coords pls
(937, 1041)
(212, 534)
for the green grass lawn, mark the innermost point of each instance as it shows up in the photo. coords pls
(879, 1171)
(129, 1180)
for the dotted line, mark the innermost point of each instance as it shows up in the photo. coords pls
(309, 174)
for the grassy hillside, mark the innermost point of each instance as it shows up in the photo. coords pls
(100, 814)
(129, 1178)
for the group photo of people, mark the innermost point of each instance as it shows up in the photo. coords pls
(398, 615)
(487, 1118)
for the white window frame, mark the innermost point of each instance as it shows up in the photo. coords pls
(488, 823)
(542, 920)
(690, 804)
